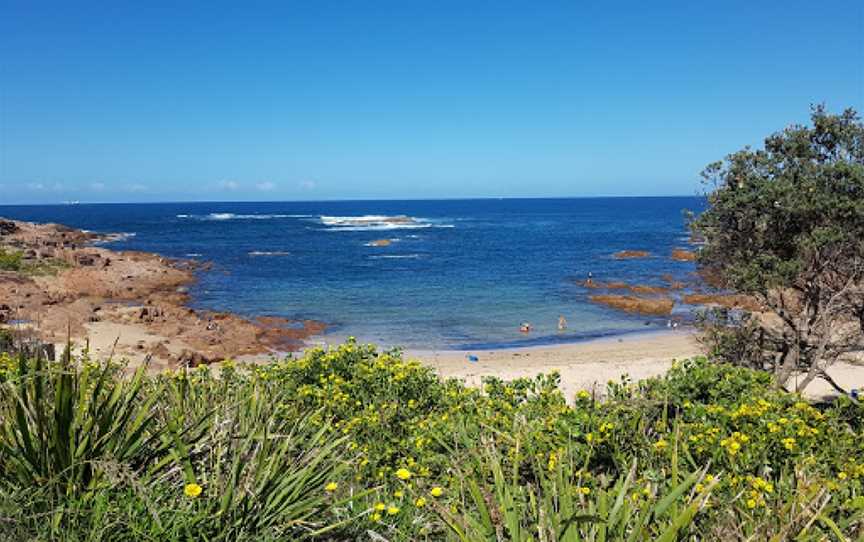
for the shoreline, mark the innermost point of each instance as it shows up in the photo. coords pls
(66, 285)
(590, 364)
(585, 365)
(135, 306)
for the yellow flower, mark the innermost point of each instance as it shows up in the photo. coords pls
(192, 490)
(420, 502)
(380, 507)
(403, 474)
(660, 445)
(841, 475)
(332, 486)
(436, 491)
(751, 503)
(585, 490)
(376, 517)
(583, 394)
(392, 510)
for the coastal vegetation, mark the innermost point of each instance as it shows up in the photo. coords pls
(10, 260)
(785, 226)
(354, 443)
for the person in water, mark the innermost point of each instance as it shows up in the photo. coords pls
(562, 323)
(525, 327)
(590, 277)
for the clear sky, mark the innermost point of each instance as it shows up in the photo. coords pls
(150, 101)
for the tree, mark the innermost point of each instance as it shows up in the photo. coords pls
(785, 224)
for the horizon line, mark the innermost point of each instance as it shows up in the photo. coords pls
(73, 203)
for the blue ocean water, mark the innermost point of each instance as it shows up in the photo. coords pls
(456, 273)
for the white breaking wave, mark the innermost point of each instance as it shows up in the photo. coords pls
(378, 223)
(266, 253)
(114, 237)
(395, 257)
(233, 216)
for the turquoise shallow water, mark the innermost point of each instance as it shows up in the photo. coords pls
(455, 274)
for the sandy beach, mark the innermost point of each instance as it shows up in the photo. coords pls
(134, 306)
(590, 365)
(586, 365)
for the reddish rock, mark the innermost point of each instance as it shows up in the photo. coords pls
(681, 255)
(631, 254)
(636, 305)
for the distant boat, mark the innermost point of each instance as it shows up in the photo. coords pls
(73, 202)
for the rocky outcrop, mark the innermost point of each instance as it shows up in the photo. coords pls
(657, 306)
(631, 254)
(730, 301)
(681, 255)
(192, 358)
(7, 227)
(94, 287)
(615, 285)
(650, 290)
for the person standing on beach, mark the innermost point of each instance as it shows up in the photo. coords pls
(562, 323)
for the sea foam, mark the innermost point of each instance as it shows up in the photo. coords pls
(233, 216)
(378, 223)
(268, 253)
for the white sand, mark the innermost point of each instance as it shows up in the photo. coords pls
(583, 366)
(130, 342)
(587, 365)
(590, 365)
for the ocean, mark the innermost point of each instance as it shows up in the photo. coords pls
(449, 274)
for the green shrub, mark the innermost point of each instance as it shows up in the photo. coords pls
(10, 261)
(352, 443)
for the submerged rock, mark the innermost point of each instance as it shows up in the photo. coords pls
(631, 254)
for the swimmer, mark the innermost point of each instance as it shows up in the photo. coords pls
(562, 323)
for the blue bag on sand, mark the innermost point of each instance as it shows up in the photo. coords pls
(473, 358)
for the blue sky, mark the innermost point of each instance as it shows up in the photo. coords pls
(149, 101)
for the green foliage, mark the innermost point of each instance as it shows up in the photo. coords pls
(89, 453)
(351, 443)
(785, 224)
(780, 214)
(14, 261)
(59, 424)
(560, 506)
(10, 260)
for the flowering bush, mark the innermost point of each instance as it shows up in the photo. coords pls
(342, 442)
